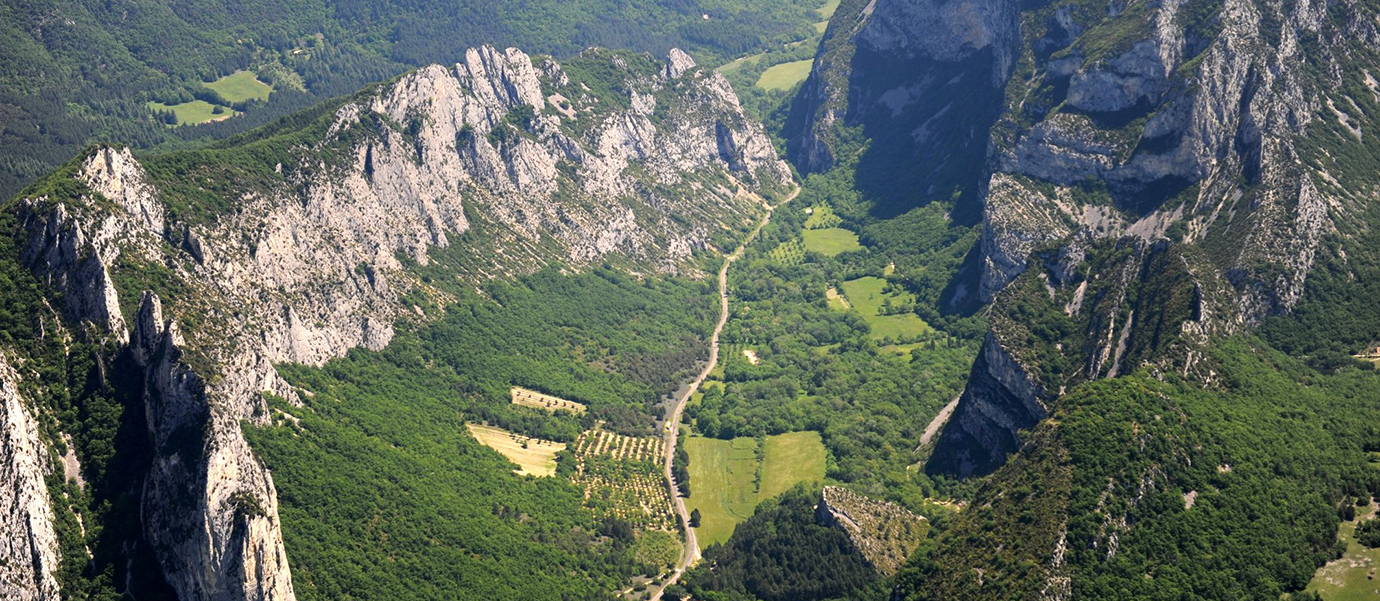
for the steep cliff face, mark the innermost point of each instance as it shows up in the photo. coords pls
(1221, 128)
(298, 243)
(28, 545)
(922, 81)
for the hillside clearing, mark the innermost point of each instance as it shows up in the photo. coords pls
(1351, 577)
(532, 455)
(240, 86)
(785, 75)
(869, 297)
(531, 398)
(194, 112)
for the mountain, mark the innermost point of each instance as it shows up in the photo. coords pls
(172, 283)
(79, 72)
(1175, 198)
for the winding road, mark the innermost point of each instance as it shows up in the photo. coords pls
(691, 553)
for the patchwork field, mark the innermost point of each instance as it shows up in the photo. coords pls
(785, 75)
(194, 112)
(724, 483)
(831, 241)
(532, 455)
(240, 86)
(532, 398)
(1353, 577)
(868, 296)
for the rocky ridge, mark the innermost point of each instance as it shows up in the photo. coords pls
(885, 533)
(506, 162)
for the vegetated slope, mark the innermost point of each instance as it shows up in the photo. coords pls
(383, 494)
(79, 71)
(1155, 182)
(162, 289)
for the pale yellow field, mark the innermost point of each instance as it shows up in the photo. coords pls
(532, 398)
(532, 455)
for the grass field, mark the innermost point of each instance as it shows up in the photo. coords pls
(828, 9)
(194, 112)
(738, 63)
(831, 241)
(532, 455)
(240, 86)
(723, 477)
(1347, 579)
(867, 295)
(836, 301)
(902, 349)
(785, 75)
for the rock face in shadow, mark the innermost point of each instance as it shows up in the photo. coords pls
(502, 164)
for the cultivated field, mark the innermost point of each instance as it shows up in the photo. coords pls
(788, 253)
(1353, 577)
(867, 296)
(622, 478)
(831, 241)
(532, 455)
(822, 217)
(240, 86)
(724, 483)
(194, 112)
(785, 75)
(532, 398)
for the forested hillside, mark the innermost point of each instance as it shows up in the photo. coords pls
(73, 72)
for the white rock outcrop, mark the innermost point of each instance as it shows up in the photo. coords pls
(28, 544)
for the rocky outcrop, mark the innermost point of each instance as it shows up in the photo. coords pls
(1002, 398)
(884, 533)
(28, 544)
(509, 165)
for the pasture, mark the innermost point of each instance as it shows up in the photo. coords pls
(724, 483)
(194, 112)
(831, 241)
(241, 86)
(785, 75)
(532, 455)
(868, 296)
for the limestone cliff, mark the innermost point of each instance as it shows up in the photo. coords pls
(299, 242)
(28, 545)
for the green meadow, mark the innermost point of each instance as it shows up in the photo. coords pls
(724, 483)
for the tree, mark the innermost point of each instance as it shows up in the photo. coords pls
(695, 518)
